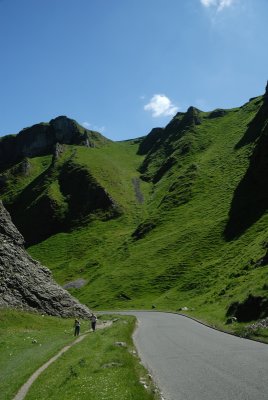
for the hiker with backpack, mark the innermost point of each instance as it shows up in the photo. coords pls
(93, 320)
(76, 327)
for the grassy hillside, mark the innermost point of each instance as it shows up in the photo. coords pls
(176, 194)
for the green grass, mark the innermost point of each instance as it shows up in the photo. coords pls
(115, 166)
(17, 181)
(28, 340)
(20, 354)
(186, 259)
(97, 368)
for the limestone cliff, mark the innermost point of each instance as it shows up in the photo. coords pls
(25, 283)
(41, 139)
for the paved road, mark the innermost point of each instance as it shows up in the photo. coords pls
(190, 361)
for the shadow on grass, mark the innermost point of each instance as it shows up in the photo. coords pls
(250, 200)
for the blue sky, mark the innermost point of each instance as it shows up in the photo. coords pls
(125, 66)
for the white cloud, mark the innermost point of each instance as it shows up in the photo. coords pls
(97, 128)
(86, 124)
(208, 3)
(218, 4)
(161, 106)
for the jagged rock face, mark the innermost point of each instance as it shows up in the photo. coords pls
(217, 113)
(191, 118)
(164, 146)
(65, 131)
(150, 140)
(178, 124)
(25, 283)
(41, 138)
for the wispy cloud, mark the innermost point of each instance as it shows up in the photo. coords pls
(92, 127)
(160, 106)
(86, 124)
(219, 5)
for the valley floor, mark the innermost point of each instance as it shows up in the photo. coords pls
(91, 368)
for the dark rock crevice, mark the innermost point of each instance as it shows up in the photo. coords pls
(252, 308)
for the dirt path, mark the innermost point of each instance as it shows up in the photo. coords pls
(25, 388)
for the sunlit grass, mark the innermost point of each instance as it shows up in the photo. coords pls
(185, 259)
(26, 342)
(97, 368)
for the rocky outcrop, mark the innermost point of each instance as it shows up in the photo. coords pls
(219, 112)
(173, 130)
(41, 139)
(152, 139)
(25, 283)
(164, 147)
(191, 118)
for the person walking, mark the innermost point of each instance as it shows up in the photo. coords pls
(93, 320)
(76, 327)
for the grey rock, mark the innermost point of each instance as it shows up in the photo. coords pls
(231, 320)
(23, 168)
(184, 309)
(40, 139)
(191, 118)
(58, 151)
(75, 284)
(25, 283)
(121, 344)
(263, 324)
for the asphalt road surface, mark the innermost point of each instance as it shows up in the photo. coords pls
(190, 361)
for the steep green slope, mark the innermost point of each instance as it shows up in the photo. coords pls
(46, 195)
(180, 230)
(179, 254)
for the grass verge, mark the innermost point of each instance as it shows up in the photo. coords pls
(26, 342)
(98, 368)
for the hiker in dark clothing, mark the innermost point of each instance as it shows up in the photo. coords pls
(93, 320)
(76, 327)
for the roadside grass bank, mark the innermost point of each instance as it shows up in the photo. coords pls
(215, 321)
(103, 366)
(27, 341)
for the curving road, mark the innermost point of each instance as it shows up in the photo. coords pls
(190, 361)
